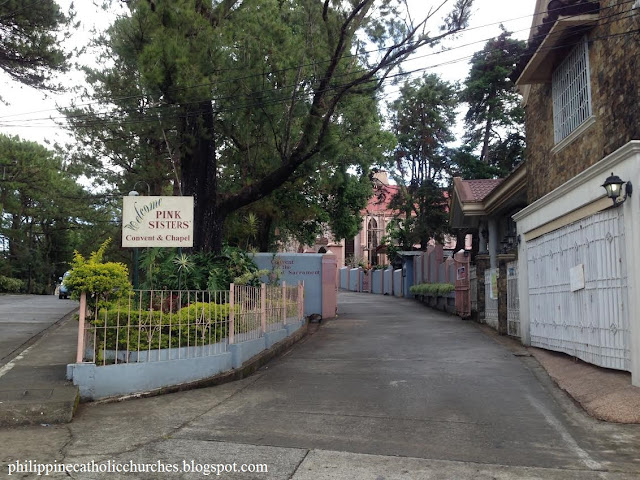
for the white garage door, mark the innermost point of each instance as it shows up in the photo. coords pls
(578, 290)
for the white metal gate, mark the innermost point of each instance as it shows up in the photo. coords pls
(491, 297)
(513, 301)
(578, 290)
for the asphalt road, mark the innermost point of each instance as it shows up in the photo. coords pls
(24, 317)
(388, 390)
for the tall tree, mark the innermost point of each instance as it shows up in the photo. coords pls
(423, 118)
(30, 41)
(243, 95)
(45, 214)
(495, 119)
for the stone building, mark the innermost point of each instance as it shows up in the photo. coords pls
(579, 265)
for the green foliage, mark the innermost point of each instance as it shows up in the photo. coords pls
(105, 280)
(394, 238)
(230, 264)
(199, 323)
(10, 285)
(423, 118)
(46, 214)
(238, 101)
(250, 278)
(432, 289)
(165, 268)
(357, 262)
(30, 48)
(495, 118)
(467, 165)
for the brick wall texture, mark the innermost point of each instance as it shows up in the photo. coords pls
(614, 55)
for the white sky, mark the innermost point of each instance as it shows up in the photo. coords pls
(27, 107)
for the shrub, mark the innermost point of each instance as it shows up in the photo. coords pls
(10, 285)
(104, 280)
(200, 323)
(432, 289)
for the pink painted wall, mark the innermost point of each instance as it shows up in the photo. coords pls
(329, 286)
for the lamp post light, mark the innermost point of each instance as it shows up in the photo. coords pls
(613, 187)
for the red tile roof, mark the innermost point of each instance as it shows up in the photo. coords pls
(475, 190)
(382, 195)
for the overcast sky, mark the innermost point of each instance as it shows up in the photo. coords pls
(27, 105)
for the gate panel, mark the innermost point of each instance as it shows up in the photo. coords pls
(578, 290)
(513, 301)
(473, 287)
(491, 297)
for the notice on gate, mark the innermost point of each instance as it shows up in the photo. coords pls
(461, 273)
(576, 277)
(157, 221)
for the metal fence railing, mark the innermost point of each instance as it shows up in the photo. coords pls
(157, 325)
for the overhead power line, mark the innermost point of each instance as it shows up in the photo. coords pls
(116, 118)
(316, 63)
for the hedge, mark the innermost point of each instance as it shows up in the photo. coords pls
(432, 289)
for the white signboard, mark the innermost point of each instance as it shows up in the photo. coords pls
(576, 277)
(157, 221)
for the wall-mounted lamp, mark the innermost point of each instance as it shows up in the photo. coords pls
(613, 186)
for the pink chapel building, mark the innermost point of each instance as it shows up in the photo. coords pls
(365, 247)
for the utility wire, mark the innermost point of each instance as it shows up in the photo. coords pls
(113, 119)
(321, 62)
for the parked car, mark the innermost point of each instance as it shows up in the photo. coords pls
(63, 291)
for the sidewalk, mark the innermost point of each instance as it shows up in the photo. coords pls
(33, 386)
(603, 393)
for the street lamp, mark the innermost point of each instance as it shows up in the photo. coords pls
(134, 193)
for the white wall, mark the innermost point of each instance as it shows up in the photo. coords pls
(583, 190)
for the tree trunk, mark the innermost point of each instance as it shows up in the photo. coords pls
(199, 175)
(484, 155)
(264, 234)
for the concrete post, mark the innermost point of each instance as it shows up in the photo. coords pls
(81, 319)
(482, 264)
(503, 260)
(493, 242)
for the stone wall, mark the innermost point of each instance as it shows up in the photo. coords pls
(615, 89)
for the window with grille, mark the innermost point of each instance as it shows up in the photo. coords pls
(571, 87)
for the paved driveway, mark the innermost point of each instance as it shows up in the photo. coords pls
(23, 317)
(391, 377)
(388, 390)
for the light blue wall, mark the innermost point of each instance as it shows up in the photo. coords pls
(407, 281)
(397, 283)
(96, 382)
(343, 278)
(354, 280)
(388, 279)
(296, 267)
(376, 281)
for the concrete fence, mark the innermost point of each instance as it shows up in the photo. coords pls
(160, 339)
(430, 266)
